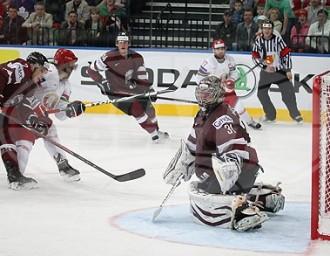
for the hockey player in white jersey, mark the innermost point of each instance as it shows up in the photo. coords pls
(222, 66)
(54, 93)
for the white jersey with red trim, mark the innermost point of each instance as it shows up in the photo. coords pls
(53, 93)
(223, 69)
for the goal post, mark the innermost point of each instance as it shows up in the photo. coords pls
(320, 211)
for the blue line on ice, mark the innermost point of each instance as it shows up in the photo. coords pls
(286, 232)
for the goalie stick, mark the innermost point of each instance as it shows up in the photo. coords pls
(128, 98)
(121, 178)
(159, 209)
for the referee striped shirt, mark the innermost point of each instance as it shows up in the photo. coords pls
(273, 52)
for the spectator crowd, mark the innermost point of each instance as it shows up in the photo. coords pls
(60, 22)
(303, 24)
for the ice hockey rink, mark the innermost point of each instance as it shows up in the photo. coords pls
(99, 216)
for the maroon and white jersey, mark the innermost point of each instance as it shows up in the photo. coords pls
(126, 75)
(15, 81)
(223, 69)
(219, 131)
(53, 93)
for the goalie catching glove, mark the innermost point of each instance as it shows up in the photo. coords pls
(75, 108)
(227, 169)
(182, 164)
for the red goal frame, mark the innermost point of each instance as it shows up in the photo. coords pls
(315, 206)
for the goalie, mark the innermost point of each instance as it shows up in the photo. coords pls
(218, 152)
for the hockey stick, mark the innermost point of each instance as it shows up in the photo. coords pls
(179, 100)
(249, 71)
(121, 178)
(159, 209)
(128, 98)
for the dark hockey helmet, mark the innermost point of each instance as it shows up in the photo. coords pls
(209, 91)
(37, 59)
(122, 36)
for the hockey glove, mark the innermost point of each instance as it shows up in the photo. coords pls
(39, 124)
(105, 87)
(75, 108)
(230, 84)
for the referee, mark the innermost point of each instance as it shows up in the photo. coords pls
(273, 55)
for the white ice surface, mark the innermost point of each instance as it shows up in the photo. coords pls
(68, 219)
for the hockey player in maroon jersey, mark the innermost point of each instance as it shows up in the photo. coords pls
(222, 65)
(126, 75)
(218, 151)
(17, 80)
(54, 93)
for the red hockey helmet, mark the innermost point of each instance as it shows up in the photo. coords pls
(218, 43)
(64, 56)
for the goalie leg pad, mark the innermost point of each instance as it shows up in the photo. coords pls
(270, 196)
(210, 209)
(182, 164)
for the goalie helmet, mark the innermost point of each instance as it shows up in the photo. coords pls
(64, 56)
(209, 91)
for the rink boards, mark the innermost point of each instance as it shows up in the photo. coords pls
(178, 67)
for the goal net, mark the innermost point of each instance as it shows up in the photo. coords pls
(320, 224)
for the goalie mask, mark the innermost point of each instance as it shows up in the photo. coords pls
(209, 91)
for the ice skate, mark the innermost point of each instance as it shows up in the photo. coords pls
(22, 183)
(68, 172)
(17, 181)
(160, 137)
(299, 119)
(246, 215)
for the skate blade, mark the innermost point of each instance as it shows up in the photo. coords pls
(27, 186)
(74, 178)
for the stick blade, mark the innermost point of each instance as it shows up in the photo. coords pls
(131, 175)
(156, 213)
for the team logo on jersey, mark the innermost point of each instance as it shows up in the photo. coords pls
(225, 119)
(231, 67)
(247, 81)
(50, 100)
